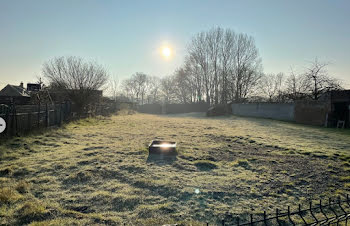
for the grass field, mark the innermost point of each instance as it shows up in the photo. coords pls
(97, 171)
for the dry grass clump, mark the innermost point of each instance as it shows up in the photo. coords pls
(32, 210)
(9, 195)
(22, 187)
(244, 163)
(125, 202)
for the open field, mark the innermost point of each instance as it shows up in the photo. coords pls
(97, 171)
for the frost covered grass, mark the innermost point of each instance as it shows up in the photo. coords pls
(97, 170)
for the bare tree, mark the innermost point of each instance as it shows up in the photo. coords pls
(318, 80)
(153, 95)
(168, 89)
(79, 79)
(226, 58)
(138, 81)
(129, 89)
(214, 42)
(182, 85)
(246, 66)
(113, 88)
(296, 86)
(228, 64)
(271, 86)
(196, 80)
(198, 52)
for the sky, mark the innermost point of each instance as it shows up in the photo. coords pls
(125, 36)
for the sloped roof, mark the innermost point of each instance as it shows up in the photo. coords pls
(14, 91)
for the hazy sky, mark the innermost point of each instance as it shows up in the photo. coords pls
(125, 36)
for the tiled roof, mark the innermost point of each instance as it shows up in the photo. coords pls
(14, 91)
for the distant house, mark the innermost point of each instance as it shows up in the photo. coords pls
(14, 94)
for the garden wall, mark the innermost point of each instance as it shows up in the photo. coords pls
(173, 108)
(311, 112)
(279, 111)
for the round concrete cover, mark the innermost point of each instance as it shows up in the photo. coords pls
(2, 125)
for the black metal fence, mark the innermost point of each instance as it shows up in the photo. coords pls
(330, 212)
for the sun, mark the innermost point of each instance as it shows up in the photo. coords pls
(166, 52)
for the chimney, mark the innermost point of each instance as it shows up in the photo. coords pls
(21, 85)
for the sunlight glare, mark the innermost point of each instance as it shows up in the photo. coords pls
(166, 52)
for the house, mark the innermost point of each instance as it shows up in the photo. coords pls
(14, 94)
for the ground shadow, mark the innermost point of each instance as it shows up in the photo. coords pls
(186, 115)
(161, 159)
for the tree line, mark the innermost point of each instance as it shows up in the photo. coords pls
(221, 66)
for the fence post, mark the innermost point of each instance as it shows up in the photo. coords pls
(61, 114)
(47, 120)
(15, 113)
(29, 121)
(55, 113)
(8, 115)
(38, 115)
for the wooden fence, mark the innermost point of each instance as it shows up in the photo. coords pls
(21, 119)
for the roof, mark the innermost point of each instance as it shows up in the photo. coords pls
(14, 91)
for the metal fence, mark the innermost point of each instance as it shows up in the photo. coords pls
(330, 212)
